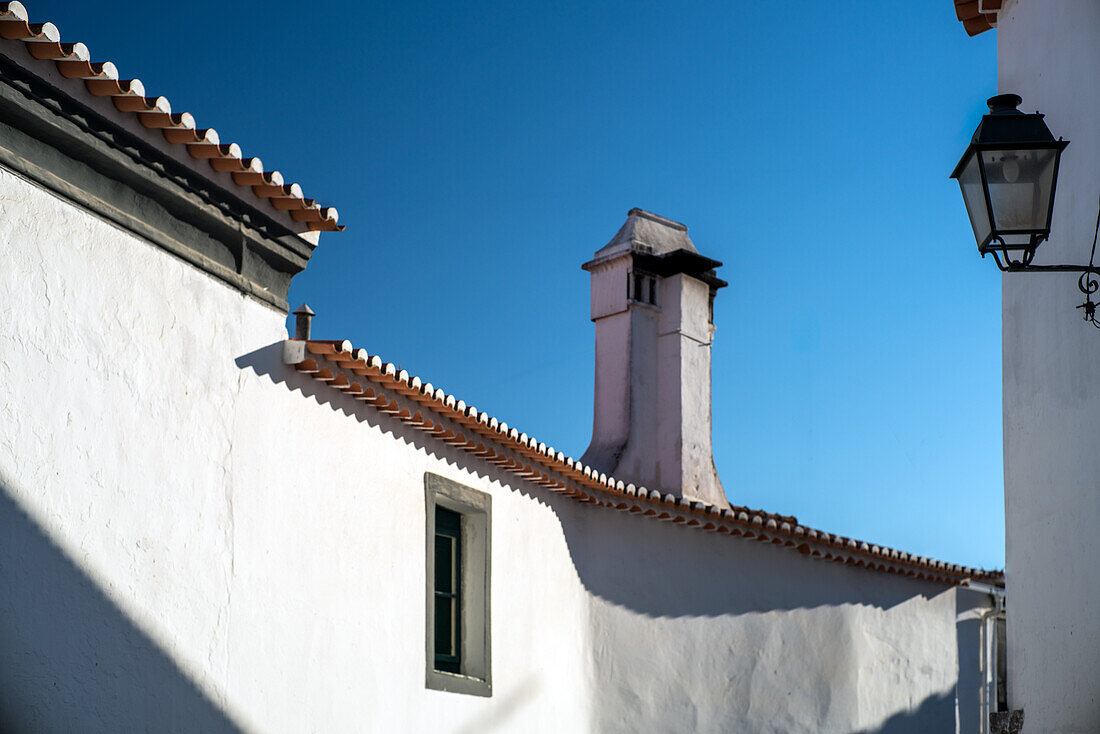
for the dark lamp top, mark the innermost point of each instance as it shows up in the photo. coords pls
(1004, 104)
(1006, 128)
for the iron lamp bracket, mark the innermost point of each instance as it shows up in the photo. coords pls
(1018, 260)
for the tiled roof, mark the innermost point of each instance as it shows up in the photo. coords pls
(101, 79)
(977, 16)
(366, 377)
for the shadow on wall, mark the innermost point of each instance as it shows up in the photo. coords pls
(690, 573)
(498, 716)
(761, 639)
(660, 583)
(70, 660)
(686, 572)
(933, 708)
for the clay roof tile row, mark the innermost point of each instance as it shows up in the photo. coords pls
(101, 79)
(367, 378)
(977, 16)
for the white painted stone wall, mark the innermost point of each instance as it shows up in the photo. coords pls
(694, 632)
(195, 538)
(172, 517)
(1049, 53)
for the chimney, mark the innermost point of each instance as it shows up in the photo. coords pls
(652, 303)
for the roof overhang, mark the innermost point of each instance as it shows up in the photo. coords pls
(396, 394)
(977, 16)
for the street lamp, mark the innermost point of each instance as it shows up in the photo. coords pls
(1008, 175)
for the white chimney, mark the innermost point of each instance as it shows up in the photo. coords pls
(652, 303)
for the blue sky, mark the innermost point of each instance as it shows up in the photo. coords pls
(480, 152)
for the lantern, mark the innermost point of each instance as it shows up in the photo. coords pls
(1007, 176)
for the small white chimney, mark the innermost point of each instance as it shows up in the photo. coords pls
(652, 303)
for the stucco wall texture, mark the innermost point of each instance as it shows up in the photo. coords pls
(1048, 54)
(195, 538)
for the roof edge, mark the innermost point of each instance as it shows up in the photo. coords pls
(38, 50)
(366, 377)
(977, 16)
(52, 140)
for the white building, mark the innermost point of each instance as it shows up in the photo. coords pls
(207, 526)
(1048, 53)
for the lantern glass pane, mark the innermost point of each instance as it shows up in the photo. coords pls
(970, 181)
(1020, 183)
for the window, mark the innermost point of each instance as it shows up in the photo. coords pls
(457, 561)
(448, 589)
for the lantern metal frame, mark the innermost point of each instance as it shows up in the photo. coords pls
(995, 244)
(1005, 128)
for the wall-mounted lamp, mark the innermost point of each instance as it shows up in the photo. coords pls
(1008, 175)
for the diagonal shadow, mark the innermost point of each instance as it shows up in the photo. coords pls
(70, 660)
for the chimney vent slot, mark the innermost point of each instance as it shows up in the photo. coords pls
(642, 288)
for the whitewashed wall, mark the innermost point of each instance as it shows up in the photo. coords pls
(1049, 53)
(194, 538)
(223, 527)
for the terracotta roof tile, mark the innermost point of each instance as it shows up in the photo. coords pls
(443, 417)
(101, 79)
(977, 16)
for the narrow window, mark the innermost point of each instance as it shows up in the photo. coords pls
(448, 589)
(652, 291)
(639, 280)
(459, 531)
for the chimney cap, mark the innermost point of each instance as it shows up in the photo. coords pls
(637, 212)
(303, 318)
(647, 233)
